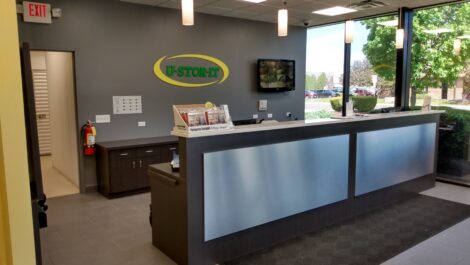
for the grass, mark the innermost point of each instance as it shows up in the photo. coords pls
(419, 102)
(321, 114)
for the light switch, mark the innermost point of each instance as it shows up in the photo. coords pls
(270, 115)
(142, 124)
(103, 118)
(263, 104)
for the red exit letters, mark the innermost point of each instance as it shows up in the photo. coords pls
(37, 9)
(37, 12)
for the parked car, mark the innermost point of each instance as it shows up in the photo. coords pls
(338, 90)
(326, 93)
(352, 90)
(363, 92)
(310, 94)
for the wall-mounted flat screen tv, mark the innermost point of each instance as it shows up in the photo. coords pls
(276, 75)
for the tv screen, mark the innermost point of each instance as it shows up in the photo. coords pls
(276, 75)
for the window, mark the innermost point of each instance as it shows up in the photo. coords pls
(440, 61)
(440, 69)
(373, 63)
(324, 69)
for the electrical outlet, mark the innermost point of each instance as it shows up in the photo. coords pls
(255, 116)
(142, 124)
(103, 118)
(270, 115)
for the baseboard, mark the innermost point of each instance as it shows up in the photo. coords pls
(91, 188)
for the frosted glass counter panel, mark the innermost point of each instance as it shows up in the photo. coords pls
(391, 156)
(251, 186)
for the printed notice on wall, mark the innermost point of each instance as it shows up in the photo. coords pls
(127, 104)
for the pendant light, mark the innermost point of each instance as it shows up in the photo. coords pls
(187, 12)
(399, 38)
(457, 46)
(400, 33)
(282, 20)
(349, 31)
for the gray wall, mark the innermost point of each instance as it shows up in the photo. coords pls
(116, 45)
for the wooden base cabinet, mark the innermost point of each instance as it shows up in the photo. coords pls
(122, 165)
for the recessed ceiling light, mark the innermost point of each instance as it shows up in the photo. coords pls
(437, 31)
(254, 1)
(389, 23)
(334, 11)
(464, 37)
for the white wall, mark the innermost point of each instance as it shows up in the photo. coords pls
(62, 108)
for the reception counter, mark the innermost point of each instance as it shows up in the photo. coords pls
(245, 189)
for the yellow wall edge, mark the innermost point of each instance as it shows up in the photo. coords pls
(16, 235)
(5, 247)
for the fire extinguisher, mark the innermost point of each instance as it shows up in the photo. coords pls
(89, 134)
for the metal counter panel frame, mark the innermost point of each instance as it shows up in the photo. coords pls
(391, 156)
(243, 188)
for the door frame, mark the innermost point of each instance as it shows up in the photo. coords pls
(34, 163)
(81, 181)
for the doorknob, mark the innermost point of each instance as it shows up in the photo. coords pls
(41, 116)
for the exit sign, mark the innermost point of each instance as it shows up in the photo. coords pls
(37, 12)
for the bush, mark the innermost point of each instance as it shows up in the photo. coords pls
(452, 155)
(455, 144)
(336, 103)
(322, 114)
(364, 103)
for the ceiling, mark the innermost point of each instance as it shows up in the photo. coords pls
(300, 11)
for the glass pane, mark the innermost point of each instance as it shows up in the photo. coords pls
(440, 56)
(325, 58)
(373, 63)
(440, 66)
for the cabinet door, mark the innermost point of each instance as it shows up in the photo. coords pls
(144, 162)
(146, 156)
(123, 170)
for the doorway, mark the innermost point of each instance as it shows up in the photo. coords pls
(54, 96)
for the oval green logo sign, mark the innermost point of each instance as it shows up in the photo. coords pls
(219, 71)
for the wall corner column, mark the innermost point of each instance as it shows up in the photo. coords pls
(16, 232)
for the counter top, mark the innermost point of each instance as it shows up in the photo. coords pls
(304, 123)
(164, 169)
(132, 143)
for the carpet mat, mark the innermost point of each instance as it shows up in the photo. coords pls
(372, 238)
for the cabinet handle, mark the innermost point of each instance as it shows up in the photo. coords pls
(140, 163)
(123, 154)
(133, 164)
(149, 151)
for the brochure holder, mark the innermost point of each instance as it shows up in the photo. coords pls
(197, 119)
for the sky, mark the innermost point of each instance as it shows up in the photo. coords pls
(325, 48)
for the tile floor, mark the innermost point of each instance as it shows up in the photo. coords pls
(55, 184)
(90, 229)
